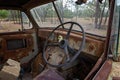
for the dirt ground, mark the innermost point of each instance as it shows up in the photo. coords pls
(86, 23)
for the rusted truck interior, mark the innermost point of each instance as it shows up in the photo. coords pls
(53, 53)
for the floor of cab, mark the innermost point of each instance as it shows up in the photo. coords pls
(85, 65)
(115, 71)
(77, 72)
(27, 76)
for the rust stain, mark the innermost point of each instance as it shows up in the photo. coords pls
(116, 78)
(91, 47)
(103, 73)
(38, 61)
(18, 53)
(94, 46)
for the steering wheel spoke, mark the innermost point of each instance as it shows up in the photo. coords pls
(67, 53)
(71, 50)
(53, 44)
(68, 33)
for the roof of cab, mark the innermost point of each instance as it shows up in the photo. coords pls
(22, 4)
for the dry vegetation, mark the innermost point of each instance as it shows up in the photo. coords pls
(86, 23)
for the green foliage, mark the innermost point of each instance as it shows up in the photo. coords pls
(4, 14)
(69, 9)
(68, 13)
(86, 13)
(50, 11)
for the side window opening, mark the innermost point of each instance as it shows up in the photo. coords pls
(45, 15)
(12, 21)
(25, 21)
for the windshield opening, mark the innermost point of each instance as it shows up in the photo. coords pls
(92, 16)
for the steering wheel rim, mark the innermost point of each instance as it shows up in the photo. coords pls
(68, 34)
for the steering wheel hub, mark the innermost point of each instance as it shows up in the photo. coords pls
(63, 43)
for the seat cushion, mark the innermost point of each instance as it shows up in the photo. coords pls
(49, 74)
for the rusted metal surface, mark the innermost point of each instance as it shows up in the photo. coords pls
(95, 68)
(49, 74)
(22, 4)
(93, 46)
(112, 3)
(116, 78)
(89, 35)
(34, 3)
(56, 55)
(16, 54)
(38, 65)
(103, 73)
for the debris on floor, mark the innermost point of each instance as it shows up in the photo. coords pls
(10, 70)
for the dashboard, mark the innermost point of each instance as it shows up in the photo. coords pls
(93, 45)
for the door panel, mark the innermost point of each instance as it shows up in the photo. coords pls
(20, 46)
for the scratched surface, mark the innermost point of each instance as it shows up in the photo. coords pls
(115, 71)
(93, 45)
(15, 54)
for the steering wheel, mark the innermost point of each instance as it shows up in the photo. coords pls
(63, 44)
